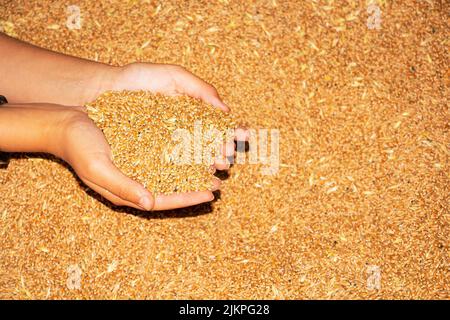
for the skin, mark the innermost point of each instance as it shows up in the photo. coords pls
(46, 90)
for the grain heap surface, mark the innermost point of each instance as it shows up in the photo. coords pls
(358, 209)
(146, 134)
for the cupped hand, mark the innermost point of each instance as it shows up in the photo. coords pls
(173, 80)
(85, 148)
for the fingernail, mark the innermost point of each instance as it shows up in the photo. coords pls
(145, 203)
(227, 108)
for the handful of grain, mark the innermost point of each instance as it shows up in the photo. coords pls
(162, 142)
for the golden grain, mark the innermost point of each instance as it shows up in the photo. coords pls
(139, 127)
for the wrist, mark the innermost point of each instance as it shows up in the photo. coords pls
(27, 128)
(59, 128)
(53, 135)
(128, 77)
(102, 78)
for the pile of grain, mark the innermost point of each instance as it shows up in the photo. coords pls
(358, 209)
(142, 128)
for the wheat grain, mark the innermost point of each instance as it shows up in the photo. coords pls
(140, 126)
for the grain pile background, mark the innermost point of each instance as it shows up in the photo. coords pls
(363, 186)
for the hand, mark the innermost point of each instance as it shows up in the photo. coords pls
(174, 80)
(85, 148)
(78, 81)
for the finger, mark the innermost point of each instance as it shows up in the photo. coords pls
(181, 200)
(190, 84)
(241, 134)
(111, 197)
(221, 163)
(162, 202)
(216, 184)
(228, 149)
(106, 175)
(216, 102)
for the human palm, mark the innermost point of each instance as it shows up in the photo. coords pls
(87, 151)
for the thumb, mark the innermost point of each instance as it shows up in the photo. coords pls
(105, 178)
